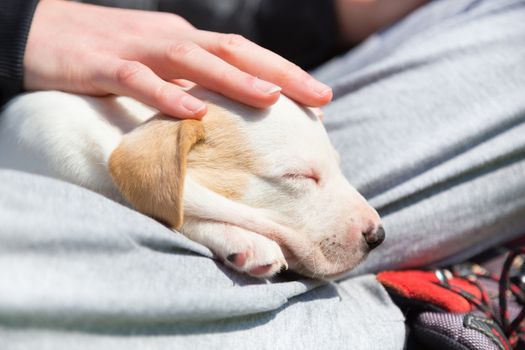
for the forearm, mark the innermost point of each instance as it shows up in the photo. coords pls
(358, 19)
(15, 22)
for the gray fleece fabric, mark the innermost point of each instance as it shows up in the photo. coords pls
(79, 271)
(429, 118)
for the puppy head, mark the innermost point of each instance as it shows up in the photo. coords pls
(293, 180)
(271, 171)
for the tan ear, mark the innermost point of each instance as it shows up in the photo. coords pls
(149, 166)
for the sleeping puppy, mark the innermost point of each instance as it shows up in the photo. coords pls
(261, 188)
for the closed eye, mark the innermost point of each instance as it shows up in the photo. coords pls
(303, 177)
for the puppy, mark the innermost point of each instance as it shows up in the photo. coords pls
(261, 188)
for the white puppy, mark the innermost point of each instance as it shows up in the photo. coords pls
(261, 188)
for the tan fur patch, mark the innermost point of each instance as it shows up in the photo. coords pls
(149, 166)
(224, 161)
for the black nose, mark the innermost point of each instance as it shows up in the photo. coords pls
(374, 237)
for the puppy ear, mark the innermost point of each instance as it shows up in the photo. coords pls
(149, 166)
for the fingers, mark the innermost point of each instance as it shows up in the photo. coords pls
(134, 79)
(230, 65)
(266, 65)
(189, 61)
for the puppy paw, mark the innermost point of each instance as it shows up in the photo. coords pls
(242, 250)
(255, 255)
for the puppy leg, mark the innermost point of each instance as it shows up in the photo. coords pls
(243, 250)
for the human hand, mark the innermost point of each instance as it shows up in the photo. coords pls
(96, 50)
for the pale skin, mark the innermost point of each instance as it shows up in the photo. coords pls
(100, 51)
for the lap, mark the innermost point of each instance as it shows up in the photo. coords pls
(429, 119)
(84, 270)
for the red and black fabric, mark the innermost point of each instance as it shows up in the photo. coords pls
(471, 306)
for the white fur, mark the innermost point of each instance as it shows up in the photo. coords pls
(71, 137)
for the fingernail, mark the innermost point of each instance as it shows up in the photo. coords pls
(192, 104)
(320, 88)
(265, 87)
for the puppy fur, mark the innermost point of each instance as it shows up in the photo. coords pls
(261, 188)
